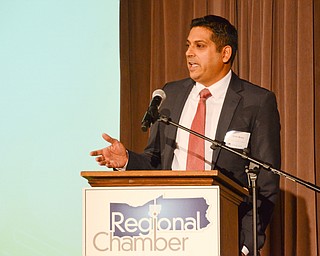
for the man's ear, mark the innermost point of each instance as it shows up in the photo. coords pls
(226, 53)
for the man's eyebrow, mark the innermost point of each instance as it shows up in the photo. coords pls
(198, 41)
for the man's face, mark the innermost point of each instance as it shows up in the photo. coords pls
(206, 65)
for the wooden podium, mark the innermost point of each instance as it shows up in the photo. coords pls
(231, 194)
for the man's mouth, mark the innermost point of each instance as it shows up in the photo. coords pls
(193, 65)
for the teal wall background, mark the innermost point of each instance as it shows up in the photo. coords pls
(59, 80)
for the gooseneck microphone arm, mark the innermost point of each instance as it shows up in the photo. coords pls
(244, 155)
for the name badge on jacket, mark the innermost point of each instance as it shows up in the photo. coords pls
(237, 139)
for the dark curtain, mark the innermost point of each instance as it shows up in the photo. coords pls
(278, 49)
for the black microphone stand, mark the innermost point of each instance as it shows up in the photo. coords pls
(253, 176)
(252, 172)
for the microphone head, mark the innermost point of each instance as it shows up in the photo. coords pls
(159, 93)
(152, 114)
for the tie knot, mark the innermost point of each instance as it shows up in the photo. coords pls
(205, 94)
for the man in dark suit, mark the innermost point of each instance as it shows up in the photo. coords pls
(241, 114)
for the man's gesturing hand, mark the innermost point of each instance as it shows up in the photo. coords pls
(113, 156)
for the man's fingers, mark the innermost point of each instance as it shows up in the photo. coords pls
(93, 153)
(107, 138)
(106, 155)
(96, 153)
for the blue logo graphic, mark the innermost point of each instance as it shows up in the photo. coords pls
(161, 214)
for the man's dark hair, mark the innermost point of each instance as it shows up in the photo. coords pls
(224, 33)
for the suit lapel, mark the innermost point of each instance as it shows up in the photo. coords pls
(230, 104)
(181, 98)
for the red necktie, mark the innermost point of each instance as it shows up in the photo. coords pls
(195, 158)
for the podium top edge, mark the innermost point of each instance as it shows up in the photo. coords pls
(149, 173)
(130, 177)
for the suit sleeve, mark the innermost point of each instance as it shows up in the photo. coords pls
(150, 159)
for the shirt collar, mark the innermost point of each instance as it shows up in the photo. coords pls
(217, 89)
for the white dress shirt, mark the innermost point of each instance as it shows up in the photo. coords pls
(213, 110)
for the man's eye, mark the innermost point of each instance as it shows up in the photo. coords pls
(200, 46)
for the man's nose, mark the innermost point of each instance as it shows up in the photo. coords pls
(189, 52)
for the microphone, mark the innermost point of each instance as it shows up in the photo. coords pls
(152, 114)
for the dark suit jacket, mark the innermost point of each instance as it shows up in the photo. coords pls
(247, 108)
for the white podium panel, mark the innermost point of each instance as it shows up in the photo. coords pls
(147, 221)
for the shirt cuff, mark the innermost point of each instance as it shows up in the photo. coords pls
(125, 166)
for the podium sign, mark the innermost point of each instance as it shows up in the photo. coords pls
(151, 220)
